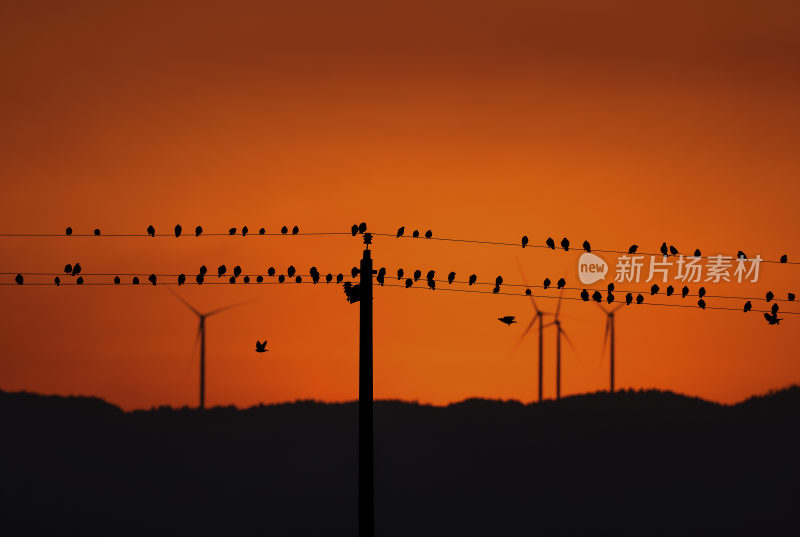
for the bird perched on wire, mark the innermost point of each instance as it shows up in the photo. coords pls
(271, 271)
(135, 280)
(261, 346)
(415, 234)
(428, 234)
(203, 269)
(19, 279)
(701, 292)
(68, 269)
(281, 278)
(315, 274)
(399, 274)
(546, 283)
(381, 277)
(654, 289)
(232, 279)
(178, 230)
(353, 272)
(610, 298)
(585, 295)
(496, 289)
(673, 250)
(565, 244)
(198, 231)
(328, 278)
(747, 306)
(96, 232)
(430, 275)
(232, 231)
(57, 281)
(339, 277)
(296, 230)
(769, 296)
(587, 246)
(400, 231)
(597, 297)
(528, 292)
(354, 229)
(775, 309)
(291, 271)
(611, 287)
(284, 230)
(409, 282)
(362, 228)
(222, 269)
(68, 231)
(181, 279)
(432, 284)
(245, 231)
(702, 304)
(684, 291)
(246, 279)
(76, 269)
(562, 282)
(298, 279)
(352, 292)
(741, 255)
(639, 298)
(697, 253)
(79, 281)
(472, 279)
(664, 249)
(451, 277)
(772, 318)
(151, 231)
(670, 290)
(262, 231)
(628, 299)
(417, 275)
(152, 279)
(784, 257)
(199, 279)
(237, 270)
(550, 243)
(524, 241)
(790, 297)
(508, 320)
(633, 248)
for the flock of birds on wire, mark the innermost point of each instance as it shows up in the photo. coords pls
(351, 290)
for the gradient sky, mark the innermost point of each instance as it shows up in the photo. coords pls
(613, 122)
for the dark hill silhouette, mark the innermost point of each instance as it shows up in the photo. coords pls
(628, 463)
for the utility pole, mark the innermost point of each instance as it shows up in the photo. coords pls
(366, 478)
(611, 318)
(541, 358)
(202, 362)
(558, 360)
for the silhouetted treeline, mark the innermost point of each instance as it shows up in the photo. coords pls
(629, 463)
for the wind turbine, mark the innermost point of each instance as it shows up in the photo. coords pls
(610, 330)
(538, 315)
(559, 332)
(201, 335)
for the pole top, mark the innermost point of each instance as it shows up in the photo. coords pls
(367, 238)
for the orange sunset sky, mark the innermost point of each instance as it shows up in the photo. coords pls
(613, 122)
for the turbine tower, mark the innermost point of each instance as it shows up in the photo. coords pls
(538, 315)
(559, 333)
(201, 335)
(609, 330)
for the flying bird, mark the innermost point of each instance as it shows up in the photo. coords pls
(400, 231)
(654, 289)
(76, 269)
(565, 244)
(524, 241)
(19, 279)
(151, 231)
(702, 304)
(222, 269)
(633, 248)
(271, 271)
(561, 283)
(362, 227)
(57, 281)
(96, 232)
(769, 296)
(597, 297)
(428, 234)
(415, 234)
(701, 292)
(291, 271)
(245, 231)
(152, 279)
(639, 299)
(550, 243)
(684, 291)
(670, 290)
(628, 299)
(664, 249)
(472, 279)
(237, 270)
(409, 282)
(546, 283)
(772, 319)
(673, 250)
(181, 279)
(284, 230)
(296, 230)
(587, 246)
(747, 306)
(585, 295)
(69, 231)
(198, 231)
(178, 230)
(339, 277)
(261, 347)
(399, 274)
(232, 231)
(508, 320)
(417, 274)
(451, 277)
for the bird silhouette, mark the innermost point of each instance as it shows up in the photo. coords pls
(400, 231)
(315, 274)
(232, 279)
(673, 250)
(353, 272)
(198, 231)
(546, 283)
(611, 287)
(741, 255)
(684, 291)
(430, 275)
(587, 246)
(769, 296)
(222, 269)
(508, 320)
(339, 277)
(262, 231)
(639, 299)
(702, 304)
(550, 243)
(417, 274)
(610, 298)
(670, 290)
(354, 230)
(67, 269)
(628, 299)
(432, 284)
(135, 280)
(298, 279)
(585, 295)
(328, 278)
(96, 232)
(296, 230)
(381, 277)
(451, 277)
(362, 227)
(68, 231)
(701, 292)
(747, 306)
(633, 248)
(775, 309)
(291, 271)
(181, 279)
(399, 274)
(528, 292)
(284, 230)
(271, 271)
(232, 231)
(178, 230)
(19, 279)
(654, 289)
(246, 279)
(415, 234)
(57, 281)
(562, 282)
(245, 231)
(664, 250)
(237, 270)
(496, 289)
(790, 297)
(772, 319)
(203, 269)
(597, 297)
(152, 279)
(261, 347)
(151, 231)
(79, 281)
(409, 282)
(428, 234)
(260, 278)
(565, 244)
(352, 292)
(784, 258)
(697, 253)
(76, 269)
(199, 279)
(524, 241)
(472, 279)
(498, 281)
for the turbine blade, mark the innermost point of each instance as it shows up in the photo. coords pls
(525, 281)
(566, 337)
(618, 307)
(220, 310)
(194, 347)
(179, 297)
(525, 333)
(602, 308)
(605, 335)
(558, 306)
